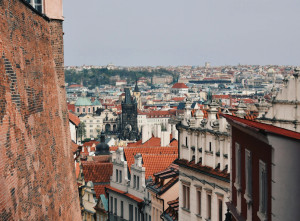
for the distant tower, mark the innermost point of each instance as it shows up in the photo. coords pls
(129, 128)
(137, 95)
(207, 65)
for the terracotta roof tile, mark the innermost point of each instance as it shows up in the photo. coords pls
(204, 169)
(100, 189)
(125, 194)
(155, 163)
(74, 147)
(74, 119)
(96, 171)
(131, 152)
(180, 85)
(264, 127)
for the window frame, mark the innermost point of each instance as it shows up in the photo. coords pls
(237, 182)
(186, 196)
(263, 191)
(248, 176)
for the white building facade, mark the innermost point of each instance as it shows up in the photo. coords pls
(204, 165)
(128, 198)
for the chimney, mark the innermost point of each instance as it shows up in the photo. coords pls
(165, 139)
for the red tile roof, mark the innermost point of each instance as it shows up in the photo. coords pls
(100, 189)
(155, 163)
(71, 107)
(74, 147)
(221, 96)
(97, 171)
(180, 85)
(74, 119)
(131, 152)
(75, 86)
(152, 142)
(203, 169)
(125, 194)
(178, 98)
(264, 127)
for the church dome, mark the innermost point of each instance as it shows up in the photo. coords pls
(102, 148)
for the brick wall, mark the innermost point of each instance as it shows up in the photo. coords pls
(36, 164)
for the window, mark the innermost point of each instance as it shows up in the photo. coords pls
(135, 213)
(186, 197)
(122, 209)
(116, 206)
(89, 110)
(111, 204)
(91, 125)
(83, 109)
(149, 217)
(91, 130)
(248, 168)
(138, 182)
(120, 176)
(91, 121)
(130, 212)
(134, 181)
(186, 142)
(208, 206)
(209, 146)
(263, 196)
(117, 174)
(78, 110)
(89, 197)
(37, 4)
(237, 183)
(220, 210)
(199, 202)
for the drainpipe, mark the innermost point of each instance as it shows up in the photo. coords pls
(163, 201)
(107, 204)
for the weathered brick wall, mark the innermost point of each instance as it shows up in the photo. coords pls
(37, 171)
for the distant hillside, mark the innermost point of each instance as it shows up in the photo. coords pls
(96, 77)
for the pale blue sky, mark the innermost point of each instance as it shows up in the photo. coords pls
(182, 32)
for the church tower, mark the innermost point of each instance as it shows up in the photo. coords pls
(129, 128)
(137, 95)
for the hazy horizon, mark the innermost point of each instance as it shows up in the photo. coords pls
(174, 32)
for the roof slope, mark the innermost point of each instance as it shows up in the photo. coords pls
(97, 171)
(131, 152)
(179, 85)
(74, 119)
(157, 162)
(83, 101)
(263, 127)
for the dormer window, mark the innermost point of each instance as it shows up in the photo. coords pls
(37, 4)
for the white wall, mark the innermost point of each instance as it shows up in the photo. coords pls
(286, 178)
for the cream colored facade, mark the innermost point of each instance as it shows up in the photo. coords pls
(285, 109)
(206, 141)
(89, 201)
(107, 121)
(135, 186)
(54, 9)
(216, 189)
(160, 203)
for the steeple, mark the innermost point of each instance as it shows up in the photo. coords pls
(136, 88)
(127, 96)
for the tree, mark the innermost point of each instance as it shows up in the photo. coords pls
(81, 130)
